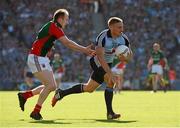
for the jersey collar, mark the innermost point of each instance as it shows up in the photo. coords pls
(58, 24)
(109, 33)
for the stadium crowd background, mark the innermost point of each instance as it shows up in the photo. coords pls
(146, 22)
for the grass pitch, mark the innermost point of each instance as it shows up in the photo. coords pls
(138, 109)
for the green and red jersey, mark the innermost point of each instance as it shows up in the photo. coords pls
(119, 64)
(58, 65)
(157, 56)
(50, 32)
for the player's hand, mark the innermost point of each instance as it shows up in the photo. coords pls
(125, 59)
(129, 56)
(122, 58)
(89, 51)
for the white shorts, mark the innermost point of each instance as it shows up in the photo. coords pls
(157, 69)
(117, 71)
(58, 75)
(38, 63)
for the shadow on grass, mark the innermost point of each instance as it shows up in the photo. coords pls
(116, 121)
(47, 122)
(72, 121)
(103, 120)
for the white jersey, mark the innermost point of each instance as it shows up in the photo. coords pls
(105, 40)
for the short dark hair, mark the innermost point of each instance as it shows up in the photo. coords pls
(60, 13)
(114, 20)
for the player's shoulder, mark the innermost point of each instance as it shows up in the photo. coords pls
(55, 25)
(153, 52)
(101, 35)
(45, 25)
(161, 52)
(125, 37)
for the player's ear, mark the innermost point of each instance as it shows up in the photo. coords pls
(111, 27)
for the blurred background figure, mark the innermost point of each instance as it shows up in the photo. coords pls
(29, 82)
(172, 77)
(58, 68)
(118, 69)
(155, 65)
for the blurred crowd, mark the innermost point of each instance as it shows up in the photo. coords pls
(145, 22)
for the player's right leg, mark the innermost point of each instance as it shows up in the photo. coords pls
(42, 70)
(108, 96)
(47, 78)
(155, 82)
(24, 95)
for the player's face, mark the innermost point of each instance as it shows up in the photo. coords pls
(116, 29)
(64, 21)
(156, 47)
(56, 56)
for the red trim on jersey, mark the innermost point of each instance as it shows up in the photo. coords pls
(56, 31)
(121, 65)
(37, 46)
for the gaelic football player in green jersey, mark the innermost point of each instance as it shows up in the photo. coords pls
(156, 64)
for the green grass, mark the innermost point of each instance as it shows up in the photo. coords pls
(138, 109)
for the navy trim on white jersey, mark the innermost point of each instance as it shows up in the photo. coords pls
(104, 39)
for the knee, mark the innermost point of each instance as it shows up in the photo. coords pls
(88, 89)
(52, 88)
(110, 85)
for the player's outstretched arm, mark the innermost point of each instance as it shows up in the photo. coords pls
(74, 46)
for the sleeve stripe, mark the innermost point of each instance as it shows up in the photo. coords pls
(127, 43)
(100, 40)
(103, 42)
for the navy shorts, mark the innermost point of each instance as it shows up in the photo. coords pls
(98, 72)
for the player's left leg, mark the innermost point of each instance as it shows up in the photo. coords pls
(90, 86)
(97, 78)
(163, 83)
(118, 85)
(108, 95)
(58, 77)
(161, 78)
(155, 82)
